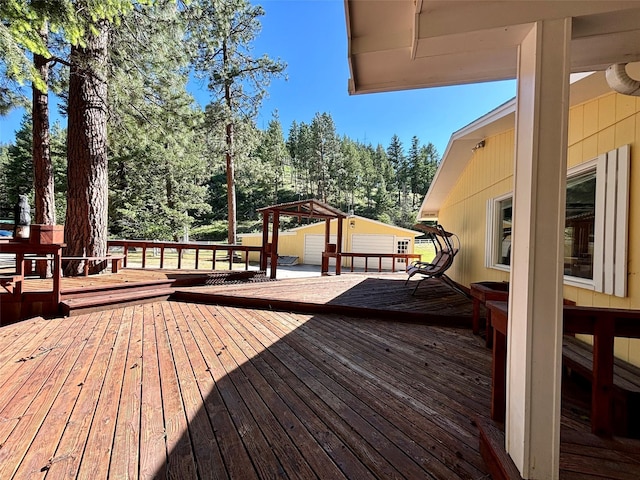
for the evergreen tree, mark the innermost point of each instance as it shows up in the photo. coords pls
(272, 152)
(157, 165)
(423, 171)
(325, 154)
(18, 171)
(223, 31)
(350, 173)
(369, 175)
(395, 153)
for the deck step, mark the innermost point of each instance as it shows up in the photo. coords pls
(86, 304)
(92, 291)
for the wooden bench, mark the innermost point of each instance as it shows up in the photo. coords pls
(604, 324)
(577, 358)
(116, 262)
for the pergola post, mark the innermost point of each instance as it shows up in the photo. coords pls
(340, 221)
(274, 244)
(327, 240)
(265, 239)
(535, 302)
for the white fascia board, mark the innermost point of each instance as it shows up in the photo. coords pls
(458, 153)
(404, 230)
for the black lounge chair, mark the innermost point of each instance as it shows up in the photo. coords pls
(447, 246)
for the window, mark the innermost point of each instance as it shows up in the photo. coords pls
(596, 225)
(402, 246)
(579, 226)
(505, 212)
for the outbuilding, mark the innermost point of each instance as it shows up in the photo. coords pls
(361, 235)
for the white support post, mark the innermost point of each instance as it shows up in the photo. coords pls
(535, 302)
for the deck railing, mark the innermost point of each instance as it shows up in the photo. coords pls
(405, 257)
(159, 248)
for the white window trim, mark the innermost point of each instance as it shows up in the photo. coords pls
(493, 216)
(611, 224)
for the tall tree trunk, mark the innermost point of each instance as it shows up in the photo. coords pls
(231, 186)
(231, 183)
(87, 180)
(41, 149)
(42, 166)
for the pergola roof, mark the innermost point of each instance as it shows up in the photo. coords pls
(310, 208)
(403, 44)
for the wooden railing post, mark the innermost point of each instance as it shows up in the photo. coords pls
(601, 392)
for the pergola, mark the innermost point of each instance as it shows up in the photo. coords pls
(310, 208)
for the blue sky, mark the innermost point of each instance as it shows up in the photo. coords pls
(310, 36)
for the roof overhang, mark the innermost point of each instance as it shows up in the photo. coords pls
(406, 44)
(459, 151)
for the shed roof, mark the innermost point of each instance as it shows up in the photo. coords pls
(310, 208)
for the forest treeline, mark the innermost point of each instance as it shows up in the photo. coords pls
(121, 70)
(163, 181)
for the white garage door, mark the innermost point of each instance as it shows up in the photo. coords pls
(313, 248)
(373, 244)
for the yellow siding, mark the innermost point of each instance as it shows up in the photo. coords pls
(595, 127)
(292, 242)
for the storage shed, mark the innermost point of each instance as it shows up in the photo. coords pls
(361, 235)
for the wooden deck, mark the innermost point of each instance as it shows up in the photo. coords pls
(356, 294)
(370, 295)
(183, 390)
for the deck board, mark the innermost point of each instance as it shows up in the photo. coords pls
(204, 391)
(125, 454)
(381, 296)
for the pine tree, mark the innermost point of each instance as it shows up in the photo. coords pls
(157, 165)
(18, 172)
(223, 32)
(272, 152)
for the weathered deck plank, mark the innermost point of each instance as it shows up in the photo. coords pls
(235, 455)
(103, 424)
(204, 391)
(46, 381)
(205, 448)
(125, 453)
(153, 453)
(373, 387)
(383, 296)
(66, 458)
(36, 463)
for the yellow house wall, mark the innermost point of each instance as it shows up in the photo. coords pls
(292, 243)
(595, 127)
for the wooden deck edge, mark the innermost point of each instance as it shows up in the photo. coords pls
(302, 307)
(498, 462)
(89, 290)
(95, 304)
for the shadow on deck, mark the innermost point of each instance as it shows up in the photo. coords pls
(361, 295)
(193, 391)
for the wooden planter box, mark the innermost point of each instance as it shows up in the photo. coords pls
(46, 234)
